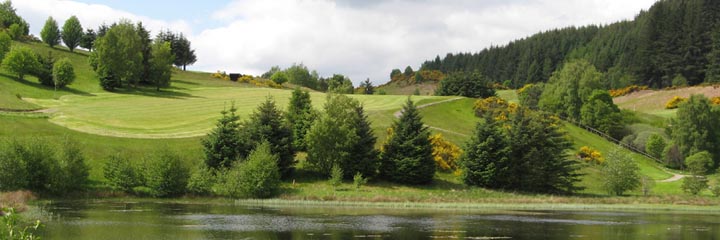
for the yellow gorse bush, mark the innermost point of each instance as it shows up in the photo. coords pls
(590, 155)
(674, 102)
(627, 90)
(445, 153)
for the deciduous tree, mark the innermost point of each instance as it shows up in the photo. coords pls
(50, 33)
(72, 33)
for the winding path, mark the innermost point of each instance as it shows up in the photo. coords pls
(399, 113)
(675, 177)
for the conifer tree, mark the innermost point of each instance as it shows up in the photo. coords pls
(364, 155)
(485, 155)
(301, 116)
(222, 144)
(267, 123)
(407, 156)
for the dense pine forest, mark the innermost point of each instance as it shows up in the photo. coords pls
(675, 42)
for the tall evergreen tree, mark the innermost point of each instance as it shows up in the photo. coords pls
(713, 68)
(146, 50)
(221, 146)
(72, 33)
(367, 87)
(407, 155)
(364, 153)
(267, 124)
(485, 156)
(50, 33)
(88, 39)
(301, 116)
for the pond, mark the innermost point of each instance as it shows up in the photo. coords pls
(154, 220)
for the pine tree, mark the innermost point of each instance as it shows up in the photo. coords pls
(222, 144)
(301, 116)
(363, 153)
(407, 156)
(50, 33)
(267, 123)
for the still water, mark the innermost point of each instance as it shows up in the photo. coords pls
(148, 220)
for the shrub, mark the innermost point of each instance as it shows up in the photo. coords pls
(257, 177)
(279, 77)
(674, 102)
(166, 175)
(21, 61)
(497, 107)
(715, 100)
(590, 155)
(655, 145)
(13, 174)
(445, 153)
(694, 184)
(120, 174)
(201, 181)
(699, 163)
(627, 90)
(11, 229)
(646, 185)
(220, 75)
(620, 173)
(73, 165)
(63, 73)
(336, 176)
(715, 189)
(5, 44)
(359, 181)
(467, 84)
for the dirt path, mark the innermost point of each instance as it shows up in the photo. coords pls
(675, 177)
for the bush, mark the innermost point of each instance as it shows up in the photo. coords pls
(445, 153)
(201, 181)
(699, 163)
(120, 174)
(359, 181)
(257, 177)
(73, 165)
(646, 185)
(620, 173)
(279, 77)
(166, 175)
(21, 61)
(336, 176)
(627, 90)
(694, 184)
(675, 102)
(13, 174)
(63, 73)
(715, 189)
(655, 145)
(473, 85)
(44, 71)
(590, 155)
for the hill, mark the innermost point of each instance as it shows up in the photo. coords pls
(653, 101)
(673, 38)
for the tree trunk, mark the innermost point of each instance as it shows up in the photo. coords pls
(184, 67)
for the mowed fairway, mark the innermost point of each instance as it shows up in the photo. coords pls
(185, 113)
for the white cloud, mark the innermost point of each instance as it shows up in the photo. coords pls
(357, 38)
(370, 40)
(90, 15)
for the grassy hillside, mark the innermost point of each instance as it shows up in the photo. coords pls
(652, 102)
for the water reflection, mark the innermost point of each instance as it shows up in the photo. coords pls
(148, 220)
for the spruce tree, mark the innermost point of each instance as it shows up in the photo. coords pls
(267, 123)
(301, 116)
(407, 156)
(50, 33)
(221, 145)
(364, 156)
(485, 155)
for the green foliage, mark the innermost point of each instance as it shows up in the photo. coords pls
(673, 157)
(395, 72)
(44, 71)
(359, 180)
(15, 31)
(21, 61)
(5, 44)
(88, 39)
(36, 165)
(700, 163)
(696, 127)
(279, 77)
(473, 85)
(646, 185)
(367, 87)
(679, 81)
(166, 175)
(485, 155)
(201, 181)
(340, 84)
(221, 145)
(299, 75)
(655, 146)
(11, 226)
(72, 33)
(407, 155)
(712, 75)
(694, 184)
(300, 116)
(336, 176)
(257, 177)
(63, 72)
(529, 95)
(50, 33)
(160, 64)
(601, 113)
(120, 174)
(342, 136)
(569, 89)
(267, 124)
(9, 17)
(620, 173)
(118, 56)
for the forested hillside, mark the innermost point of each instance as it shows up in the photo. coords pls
(673, 40)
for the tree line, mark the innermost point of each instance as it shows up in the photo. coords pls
(674, 38)
(299, 75)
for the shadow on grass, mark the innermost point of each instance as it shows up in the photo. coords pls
(66, 89)
(152, 92)
(186, 82)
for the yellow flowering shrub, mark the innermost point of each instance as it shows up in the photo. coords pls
(445, 153)
(590, 155)
(220, 75)
(626, 90)
(715, 100)
(674, 102)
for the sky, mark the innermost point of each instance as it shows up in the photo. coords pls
(358, 38)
